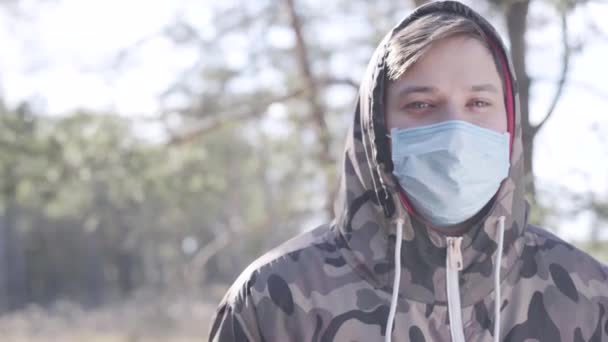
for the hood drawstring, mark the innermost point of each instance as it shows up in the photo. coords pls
(497, 303)
(395, 294)
(393, 309)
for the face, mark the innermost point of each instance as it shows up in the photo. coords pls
(455, 79)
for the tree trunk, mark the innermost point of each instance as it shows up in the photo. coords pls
(94, 278)
(3, 267)
(14, 257)
(318, 112)
(516, 17)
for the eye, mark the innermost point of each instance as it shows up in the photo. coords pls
(480, 104)
(418, 105)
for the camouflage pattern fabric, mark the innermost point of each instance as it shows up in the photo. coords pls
(334, 283)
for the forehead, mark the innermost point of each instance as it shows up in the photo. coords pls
(460, 56)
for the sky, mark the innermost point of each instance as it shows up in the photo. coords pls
(63, 54)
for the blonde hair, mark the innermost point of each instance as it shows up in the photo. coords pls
(411, 42)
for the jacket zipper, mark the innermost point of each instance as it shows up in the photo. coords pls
(454, 264)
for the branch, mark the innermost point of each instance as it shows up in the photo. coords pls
(224, 119)
(122, 55)
(195, 269)
(595, 29)
(310, 83)
(343, 81)
(181, 32)
(600, 93)
(317, 112)
(563, 76)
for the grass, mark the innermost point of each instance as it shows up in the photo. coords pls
(145, 317)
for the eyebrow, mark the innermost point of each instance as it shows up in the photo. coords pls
(416, 89)
(428, 89)
(485, 87)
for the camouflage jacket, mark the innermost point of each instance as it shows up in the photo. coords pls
(335, 282)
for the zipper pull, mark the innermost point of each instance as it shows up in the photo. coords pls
(455, 253)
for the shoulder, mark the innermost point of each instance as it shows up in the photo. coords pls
(546, 254)
(291, 261)
(266, 281)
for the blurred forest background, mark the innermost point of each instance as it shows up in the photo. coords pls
(121, 222)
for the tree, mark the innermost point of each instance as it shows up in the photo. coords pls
(516, 17)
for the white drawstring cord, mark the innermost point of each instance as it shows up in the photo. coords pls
(393, 309)
(453, 265)
(497, 304)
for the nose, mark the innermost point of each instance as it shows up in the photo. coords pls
(453, 112)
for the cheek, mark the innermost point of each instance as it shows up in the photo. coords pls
(504, 127)
(498, 121)
(398, 119)
(394, 118)
(389, 118)
(393, 115)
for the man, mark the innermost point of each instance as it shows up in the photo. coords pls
(430, 240)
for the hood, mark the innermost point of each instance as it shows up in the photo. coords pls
(369, 200)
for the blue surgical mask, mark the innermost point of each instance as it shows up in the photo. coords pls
(449, 170)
